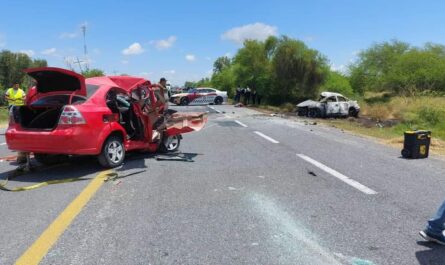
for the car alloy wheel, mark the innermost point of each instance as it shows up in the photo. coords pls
(170, 143)
(115, 151)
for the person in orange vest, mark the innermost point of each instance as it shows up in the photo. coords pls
(15, 96)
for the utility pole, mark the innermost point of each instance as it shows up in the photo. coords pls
(83, 27)
(79, 62)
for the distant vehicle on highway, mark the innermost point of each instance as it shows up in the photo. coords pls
(200, 96)
(66, 114)
(329, 105)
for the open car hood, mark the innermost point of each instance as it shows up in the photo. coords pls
(52, 79)
(307, 103)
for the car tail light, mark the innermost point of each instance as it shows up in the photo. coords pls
(71, 116)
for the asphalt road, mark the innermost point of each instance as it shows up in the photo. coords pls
(247, 189)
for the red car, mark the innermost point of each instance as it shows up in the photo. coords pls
(66, 114)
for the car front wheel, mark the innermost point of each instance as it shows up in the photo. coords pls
(170, 143)
(314, 113)
(113, 152)
(353, 113)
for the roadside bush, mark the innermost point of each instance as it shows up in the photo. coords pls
(431, 116)
(288, 107)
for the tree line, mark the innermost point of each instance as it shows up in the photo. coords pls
(12, 65)
(286, 70)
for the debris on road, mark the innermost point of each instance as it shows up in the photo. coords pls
(239, 105)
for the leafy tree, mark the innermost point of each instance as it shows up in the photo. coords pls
(204, 82)
(374, 63)
(221, 63)
(188, 84)
(417, 71)
(337, 82)
(92, 73)
(225, 80)
(252, 67)
(12, 66)
(298, 71)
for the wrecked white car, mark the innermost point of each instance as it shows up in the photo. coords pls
(329, 105)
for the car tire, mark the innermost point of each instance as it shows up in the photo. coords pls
(218, 100)
(170, 144)
(353, 113)
(313, 113)
(113, 152)
(50, 159)
(302, 112)
(184, 101)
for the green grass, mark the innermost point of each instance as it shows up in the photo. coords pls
(4, 116)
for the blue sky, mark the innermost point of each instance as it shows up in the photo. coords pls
(181, 39)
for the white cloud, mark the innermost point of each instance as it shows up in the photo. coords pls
(133, 49)
(30, 53)
(190, 57)
(50, 51)
(69, 35)
(96, 51)
(164, 44)
(256, 31)
(208, 58)
(124, 62)
(169, 72)
(228, 54)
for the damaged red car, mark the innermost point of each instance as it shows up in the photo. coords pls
(66, 114)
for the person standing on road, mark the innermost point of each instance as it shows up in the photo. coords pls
(238, 94)
(435, 227)
(15, 96)
(247, 96)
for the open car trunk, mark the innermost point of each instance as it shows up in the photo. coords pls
(40, 118)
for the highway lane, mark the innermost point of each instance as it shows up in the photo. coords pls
(247, 198)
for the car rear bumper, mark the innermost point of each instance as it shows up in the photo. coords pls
(70, 141)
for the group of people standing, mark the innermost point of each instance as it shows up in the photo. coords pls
(247, 96)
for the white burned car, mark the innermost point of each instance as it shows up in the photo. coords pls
(329, 105)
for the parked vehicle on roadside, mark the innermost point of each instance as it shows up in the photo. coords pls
(329, 105)
(200, 96)
(66, 114)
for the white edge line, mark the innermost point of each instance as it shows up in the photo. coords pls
(267, 137)
(338, 175)
(240, 123)
(2, 143)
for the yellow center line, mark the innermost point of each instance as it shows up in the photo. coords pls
(35, 253)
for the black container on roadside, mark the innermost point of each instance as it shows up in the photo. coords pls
(416, 144)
